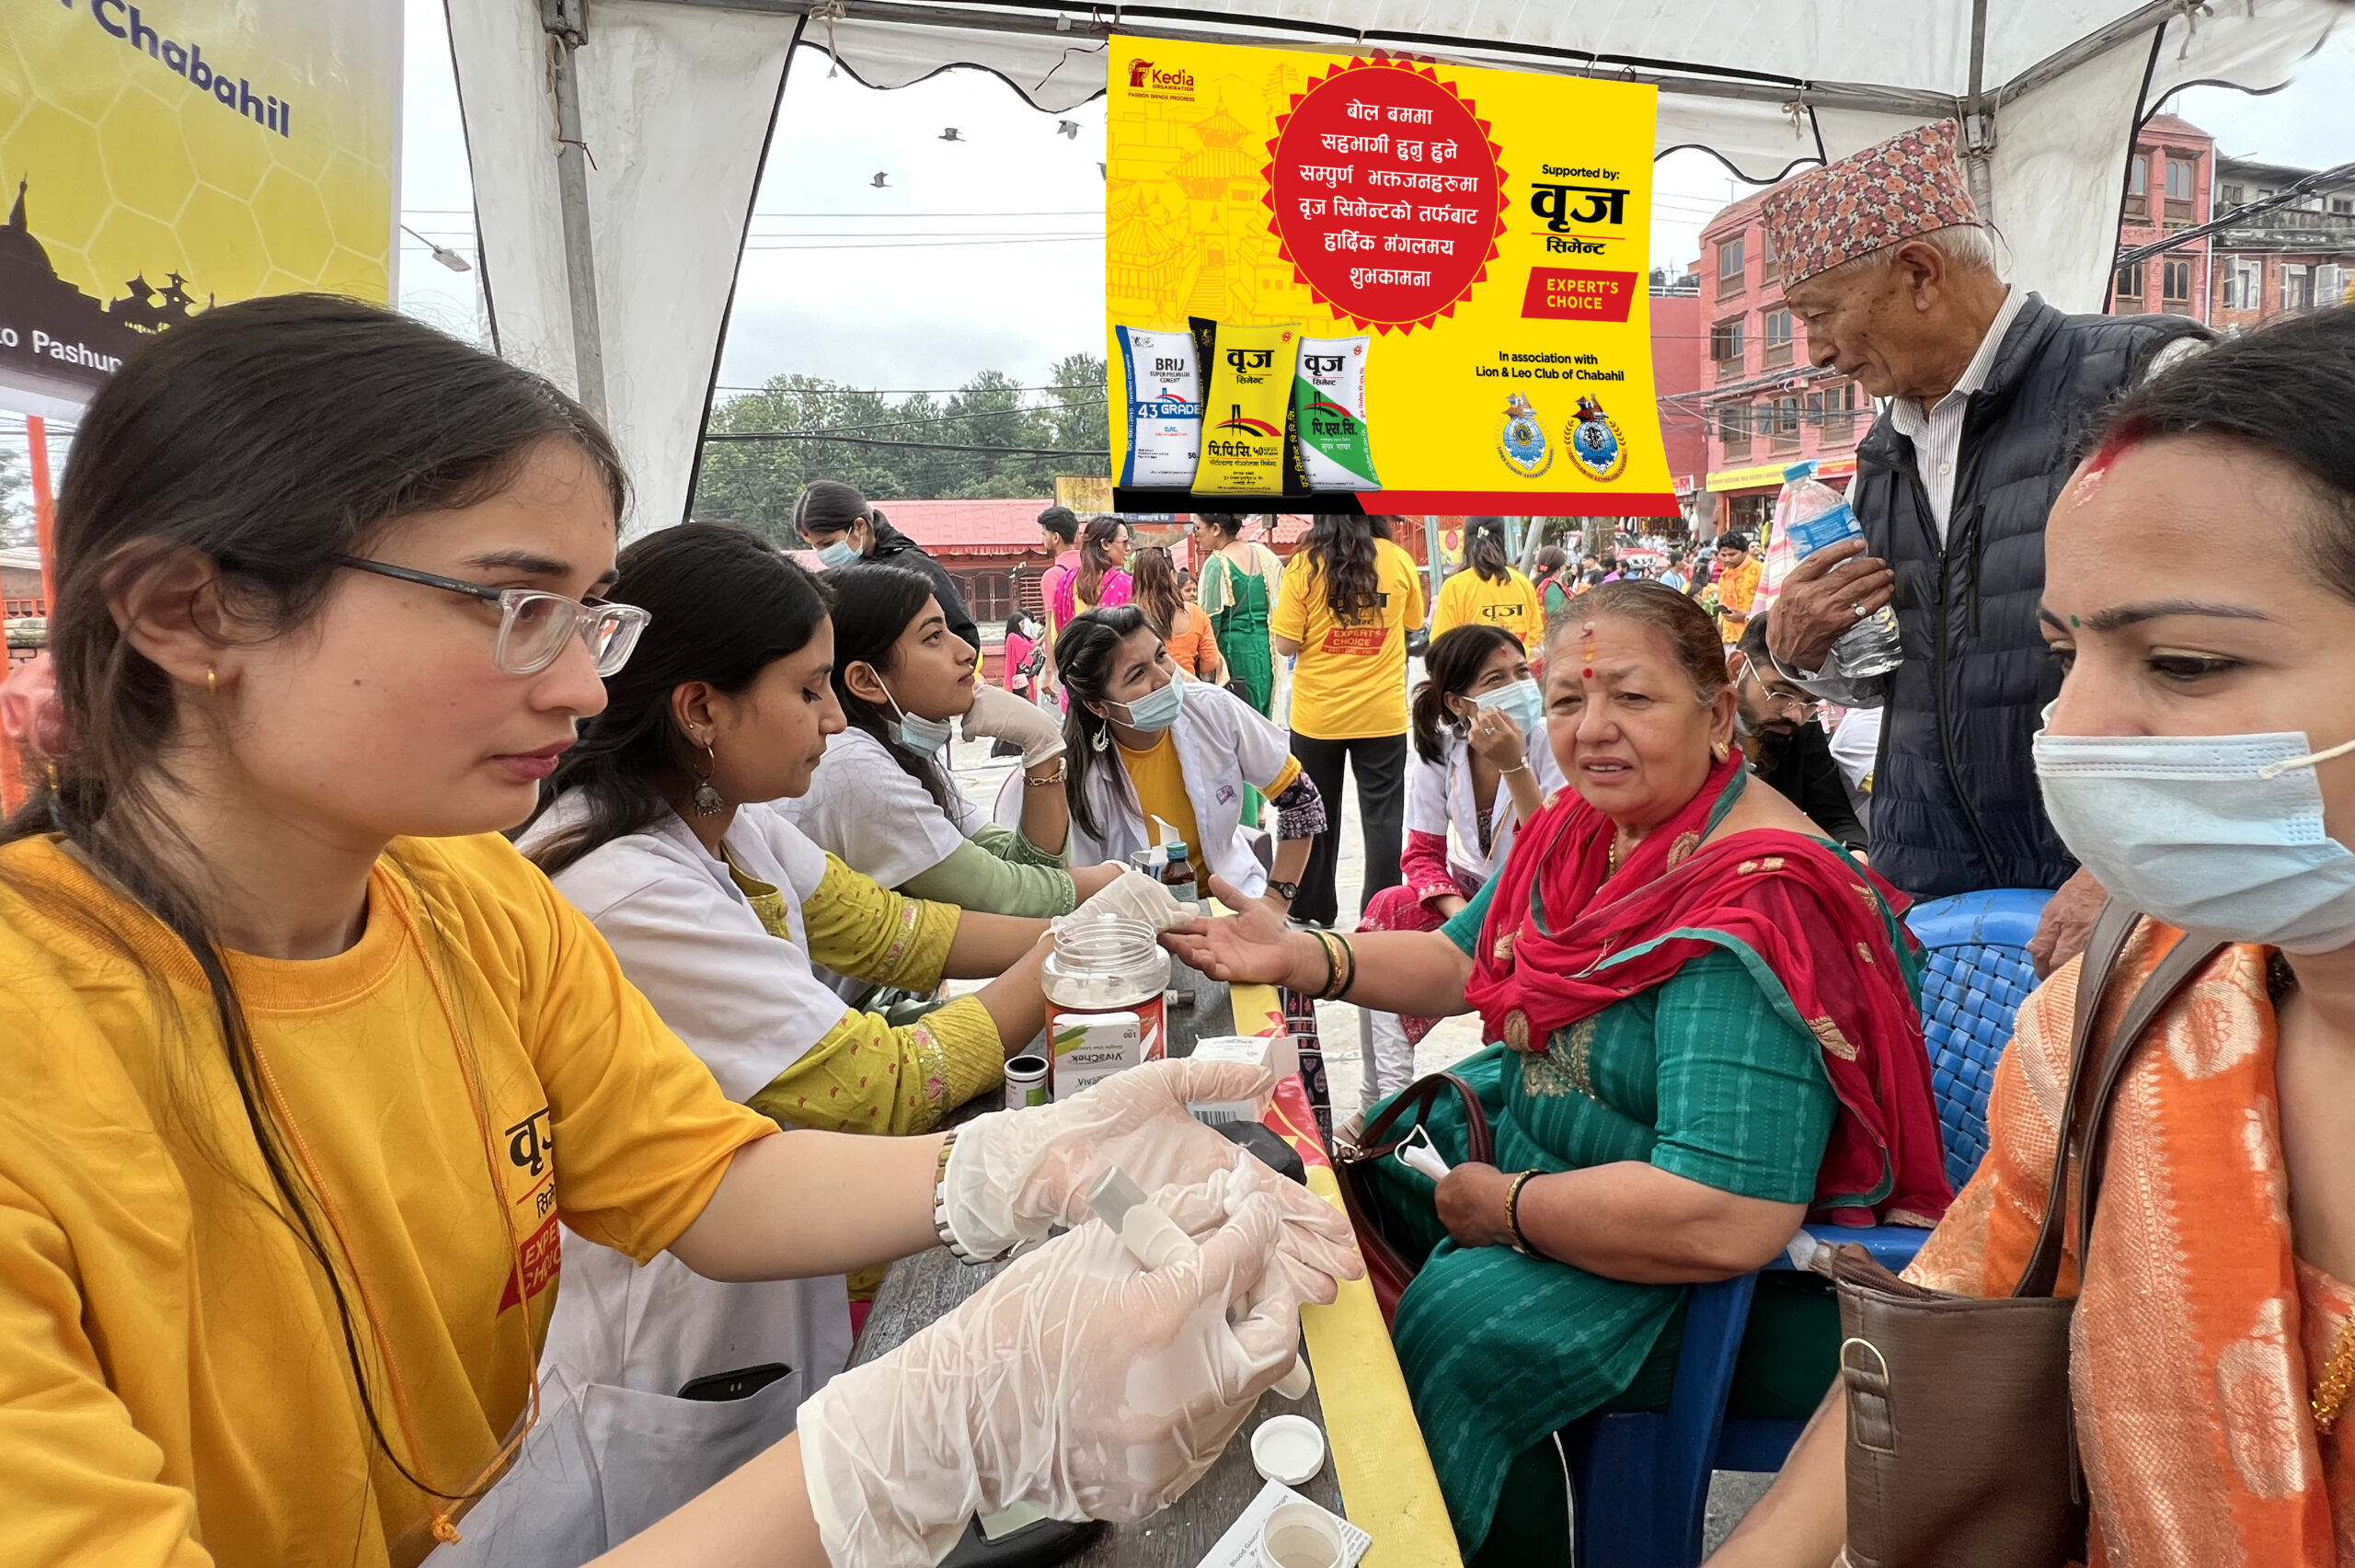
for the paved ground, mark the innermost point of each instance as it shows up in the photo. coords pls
(1731, 1493)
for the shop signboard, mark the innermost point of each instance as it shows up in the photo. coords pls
(162, 158)
(1377, 284)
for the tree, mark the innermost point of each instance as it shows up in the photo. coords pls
(18, 529)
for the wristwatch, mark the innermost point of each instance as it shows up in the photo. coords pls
(1287, 891)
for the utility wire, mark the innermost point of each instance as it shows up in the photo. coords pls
(926, 446)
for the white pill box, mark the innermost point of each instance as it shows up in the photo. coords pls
(1253, 1050)
(1091, 1047)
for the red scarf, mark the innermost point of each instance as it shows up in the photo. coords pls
(1820, 923)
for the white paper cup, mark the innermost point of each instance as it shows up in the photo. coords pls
(1025, 1081)
(1300, 1535)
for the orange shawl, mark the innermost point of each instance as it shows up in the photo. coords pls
(2198, 1334)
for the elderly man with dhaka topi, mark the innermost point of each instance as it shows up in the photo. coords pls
(1887, 263)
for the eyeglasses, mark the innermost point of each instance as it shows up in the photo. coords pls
(1806, 707)
(533, 626)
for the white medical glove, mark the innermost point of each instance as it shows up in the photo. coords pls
(1014, 1174)
(1075, 1381)
(1134, 896)
(1001, 715)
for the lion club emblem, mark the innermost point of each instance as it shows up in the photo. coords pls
(1522, 442)
(1594, 442)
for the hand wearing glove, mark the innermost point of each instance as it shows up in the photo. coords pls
(1134, 896)
(1014, 1174)
(1001, 715)
(1075, 1381)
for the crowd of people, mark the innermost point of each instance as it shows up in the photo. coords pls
(425, 899)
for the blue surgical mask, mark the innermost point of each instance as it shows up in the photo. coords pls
(838, 554)
(2219, 834)
(922, 736)
(1157, 710)
(1519, 702)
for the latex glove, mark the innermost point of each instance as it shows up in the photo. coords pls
(1015, 1173)
(1134, 896)
(1075, 1381)
(1001, 715)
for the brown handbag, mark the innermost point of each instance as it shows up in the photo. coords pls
(1961, 1445)
(1386, 1267)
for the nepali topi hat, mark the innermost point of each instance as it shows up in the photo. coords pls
(1888, 193)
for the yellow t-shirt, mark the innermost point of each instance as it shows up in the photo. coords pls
(172, 1382)
(1350, 680)
(1159, 778)
(1467, 597)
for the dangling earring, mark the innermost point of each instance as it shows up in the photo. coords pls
(1101, 738)
(707, 802)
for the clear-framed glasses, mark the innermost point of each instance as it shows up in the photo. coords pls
(1798, 704)
(532, 625)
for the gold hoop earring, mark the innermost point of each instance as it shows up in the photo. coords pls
(708, 801)
(211, 682)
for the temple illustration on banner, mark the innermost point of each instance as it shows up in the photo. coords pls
(58, 342)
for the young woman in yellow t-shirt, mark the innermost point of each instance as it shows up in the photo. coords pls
(1345, 607)
(1489, 591)
(305, 1064)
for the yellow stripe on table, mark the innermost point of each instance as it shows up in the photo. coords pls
(1388, 1488)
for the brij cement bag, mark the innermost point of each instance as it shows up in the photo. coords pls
(1165, 399)
(1328, 415)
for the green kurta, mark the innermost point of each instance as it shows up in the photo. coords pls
(1710, 1077)
(1235, 600)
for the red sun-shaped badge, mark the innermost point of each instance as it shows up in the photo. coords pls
(1385, 192)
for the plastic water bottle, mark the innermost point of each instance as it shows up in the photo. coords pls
(1813, 516)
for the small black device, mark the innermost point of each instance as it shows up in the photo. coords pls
(741, 1383)
(1031, 1545)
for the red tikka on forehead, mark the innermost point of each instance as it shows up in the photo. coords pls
(1585, 650)
(2089, 481)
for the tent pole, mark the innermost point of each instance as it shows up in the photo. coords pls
(1978, 132)
(567, 23)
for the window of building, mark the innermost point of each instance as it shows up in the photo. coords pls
(2297, 287)
(2244, 284)
(2179, 179)
(2138, 185)
(1730, 260)
(2330, 284)
(1783, 421)
(2129, 286)
(2231, 195)
(1778, 337)
(1833, 411)
(1768, 267)
(2175, 288)
(988, 595)
(1733, 427)
(1725, 347)
(2342, 206)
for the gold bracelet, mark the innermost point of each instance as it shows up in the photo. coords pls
(1324, 944)
(1521, 768)
(1062, 770)
(1349, 976)
(1516, 1240)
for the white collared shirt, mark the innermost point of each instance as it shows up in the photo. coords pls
(1937, 434)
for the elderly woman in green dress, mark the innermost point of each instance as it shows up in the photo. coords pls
(1706, 1030)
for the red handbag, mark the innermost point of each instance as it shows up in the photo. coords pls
(1355, 1149)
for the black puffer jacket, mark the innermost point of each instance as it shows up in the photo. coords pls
(1955, 799)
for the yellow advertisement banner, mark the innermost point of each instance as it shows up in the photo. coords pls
(1377, 284)
(160, 157)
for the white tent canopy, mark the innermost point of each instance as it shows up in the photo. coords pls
(617, 144)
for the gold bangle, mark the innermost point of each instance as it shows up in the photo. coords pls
(1332, 965)
(1350, 976)
(1516, 1239)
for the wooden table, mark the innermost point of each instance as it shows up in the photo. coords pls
(918, 1290)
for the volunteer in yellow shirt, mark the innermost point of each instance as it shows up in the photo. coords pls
(306, 1064)
(1146, 743)
(1489, 591)
(1347, 603)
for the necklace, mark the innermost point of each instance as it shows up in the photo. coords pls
(1610, 861)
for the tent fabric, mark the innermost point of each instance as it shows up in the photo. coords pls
(678, 97)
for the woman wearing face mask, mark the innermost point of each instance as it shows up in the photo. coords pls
(1491, 590)
(840, 525)
(2195, 761)
(720, 910)
(884, 800)
(1482, 767)
(1102, 580)
(1146, 745)
(303, 1059)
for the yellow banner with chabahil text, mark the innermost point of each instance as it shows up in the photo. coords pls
(1377, 284)
(161, 157)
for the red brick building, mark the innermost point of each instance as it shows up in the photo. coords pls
(1680, 374)
(2169, 183)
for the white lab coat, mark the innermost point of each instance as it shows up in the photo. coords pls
(624, 1339)
(1440, 800)
(866, 810)
(1223, 744)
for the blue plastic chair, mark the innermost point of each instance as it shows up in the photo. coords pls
(1642, 1479)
